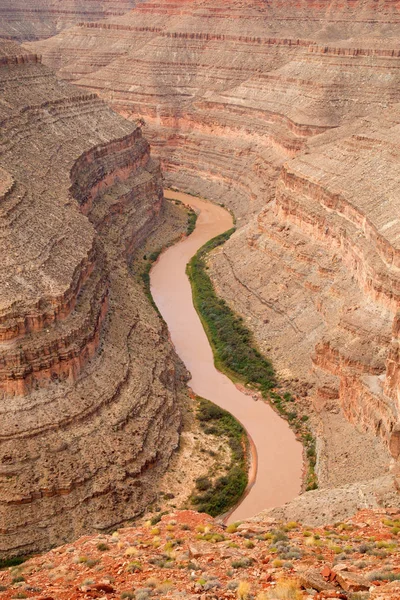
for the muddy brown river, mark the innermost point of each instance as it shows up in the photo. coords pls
(276, 467)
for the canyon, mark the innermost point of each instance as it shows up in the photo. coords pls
(285, 112)
(288, 114)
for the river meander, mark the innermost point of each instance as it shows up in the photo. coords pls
(277, 456)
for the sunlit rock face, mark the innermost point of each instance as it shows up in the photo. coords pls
(287, 112)
(88, 380)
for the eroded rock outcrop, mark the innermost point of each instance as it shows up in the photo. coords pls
(89, 383)
(287, 112)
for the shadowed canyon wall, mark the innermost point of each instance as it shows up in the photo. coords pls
(287, 112)
(89, 383)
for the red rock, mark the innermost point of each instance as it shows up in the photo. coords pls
(326, 572)
(352, 582)
(313, 579)
(195, 551)
(104, 587)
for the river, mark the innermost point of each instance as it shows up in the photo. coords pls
(276, 467)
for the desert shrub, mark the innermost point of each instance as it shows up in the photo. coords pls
(12, 562)
(102, 547)
(243, 590)
(384, 576)
(192, 218)
(285, 589)
(203, 483)
(242, 563)
(134, 566)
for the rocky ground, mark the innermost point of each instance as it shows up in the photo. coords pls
(187, 555)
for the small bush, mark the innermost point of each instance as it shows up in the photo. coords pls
(243, 590)
(156, 519)
(285, 589)
(102, 547)
(384, 576)
(203, 483)
(242, 563)
(143, 593)
(134, 566)
(232, 585)
(12, 562)
(192, 218)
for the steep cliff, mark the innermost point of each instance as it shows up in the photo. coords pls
(286, 112)
(89, 383)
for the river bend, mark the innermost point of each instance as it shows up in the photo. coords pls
(277, 456)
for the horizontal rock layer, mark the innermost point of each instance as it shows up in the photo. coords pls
(288, 113)
(38, 19)
(89, 382)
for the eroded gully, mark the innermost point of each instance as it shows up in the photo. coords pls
(276, 466)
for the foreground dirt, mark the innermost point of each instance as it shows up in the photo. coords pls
(187, 555)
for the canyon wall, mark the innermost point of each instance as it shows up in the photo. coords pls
(89, 383)
(21, 20)
(288, 113)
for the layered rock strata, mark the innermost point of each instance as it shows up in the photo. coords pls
(89, 383)
(287, 112)
(21, 20)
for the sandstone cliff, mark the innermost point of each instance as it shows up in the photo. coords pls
(288, 113)
(89, 383)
